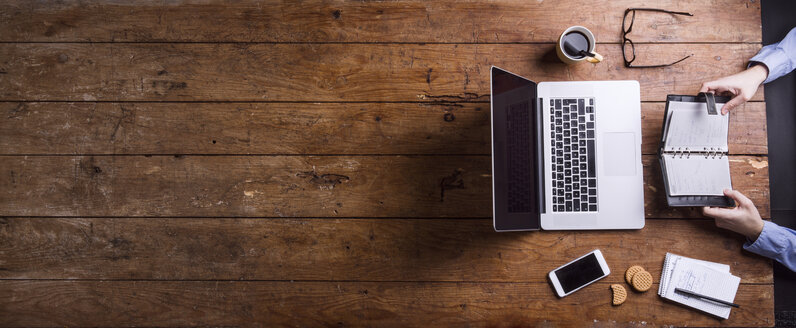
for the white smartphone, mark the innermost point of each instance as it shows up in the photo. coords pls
(579, 273)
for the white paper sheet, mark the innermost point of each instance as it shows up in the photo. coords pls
(697, 175)
(690, 127)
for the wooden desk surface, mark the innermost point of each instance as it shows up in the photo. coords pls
(326, 163)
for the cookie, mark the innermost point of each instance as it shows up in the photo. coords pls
(642, 281)
(631, 271)
(620, 294)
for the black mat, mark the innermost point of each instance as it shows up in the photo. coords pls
(786, 319)
(778, 18)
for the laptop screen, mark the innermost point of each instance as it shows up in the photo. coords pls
(515, 151)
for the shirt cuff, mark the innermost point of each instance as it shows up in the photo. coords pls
(769, 243)
(775, 60)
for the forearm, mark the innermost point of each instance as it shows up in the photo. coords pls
(778, 58)
(758, 73)
(775, 242)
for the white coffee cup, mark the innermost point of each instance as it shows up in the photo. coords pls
(569, 59)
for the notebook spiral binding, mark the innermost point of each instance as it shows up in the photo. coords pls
(683, 152)
(712, 153)
(664, 273)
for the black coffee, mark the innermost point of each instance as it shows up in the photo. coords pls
(574, 42)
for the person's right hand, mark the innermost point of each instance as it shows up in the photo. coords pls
(741, 86)
(743, 219)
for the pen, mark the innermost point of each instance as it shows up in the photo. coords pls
(688, 292)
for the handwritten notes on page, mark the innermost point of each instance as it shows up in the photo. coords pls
(690, 127)
(697, 174)
(701, 277)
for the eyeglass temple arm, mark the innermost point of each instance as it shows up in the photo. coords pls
(664, 65)
(663, 11)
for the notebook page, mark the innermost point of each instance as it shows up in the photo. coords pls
(671, 261)
(713, 265)
(697, 175)
(691, 127)
(704, 280)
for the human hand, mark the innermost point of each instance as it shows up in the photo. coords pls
(741, 86)
(743, 219)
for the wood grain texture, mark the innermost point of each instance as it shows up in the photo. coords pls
(326, 163)
(334, 72)
(290, 186)
(292, 128)
(392, 21)
(384, 304)
(347, 250)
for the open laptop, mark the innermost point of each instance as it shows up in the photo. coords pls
(565, 155)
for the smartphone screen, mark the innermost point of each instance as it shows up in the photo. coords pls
(579, 273)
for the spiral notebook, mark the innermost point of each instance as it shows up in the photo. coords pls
(693, 152)
(702, 277)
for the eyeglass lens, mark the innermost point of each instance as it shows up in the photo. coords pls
(627, 21)
(628, 51)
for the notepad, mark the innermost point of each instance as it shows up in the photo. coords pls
(702, 277)
(693, 153)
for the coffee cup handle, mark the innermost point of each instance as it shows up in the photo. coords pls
(596, 59)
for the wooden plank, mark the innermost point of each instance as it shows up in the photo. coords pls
(291, 128)
(383, 304)
(393, 21)
(333, 72)
(289, 186)
(349, 249)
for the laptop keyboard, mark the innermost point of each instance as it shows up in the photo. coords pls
(573, 171)
(519, 157)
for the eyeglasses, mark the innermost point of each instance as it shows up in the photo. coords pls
(627, 28)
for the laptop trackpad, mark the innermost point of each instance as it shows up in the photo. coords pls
(619, 153)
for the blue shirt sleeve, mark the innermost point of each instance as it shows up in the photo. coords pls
(780, 58)
(776, 242)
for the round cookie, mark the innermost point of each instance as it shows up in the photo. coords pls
(642, 281)
(631, 271)
(620, 294)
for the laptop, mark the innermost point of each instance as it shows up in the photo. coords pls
(565, 155)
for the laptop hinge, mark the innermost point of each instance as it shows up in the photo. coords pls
(540, 160)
